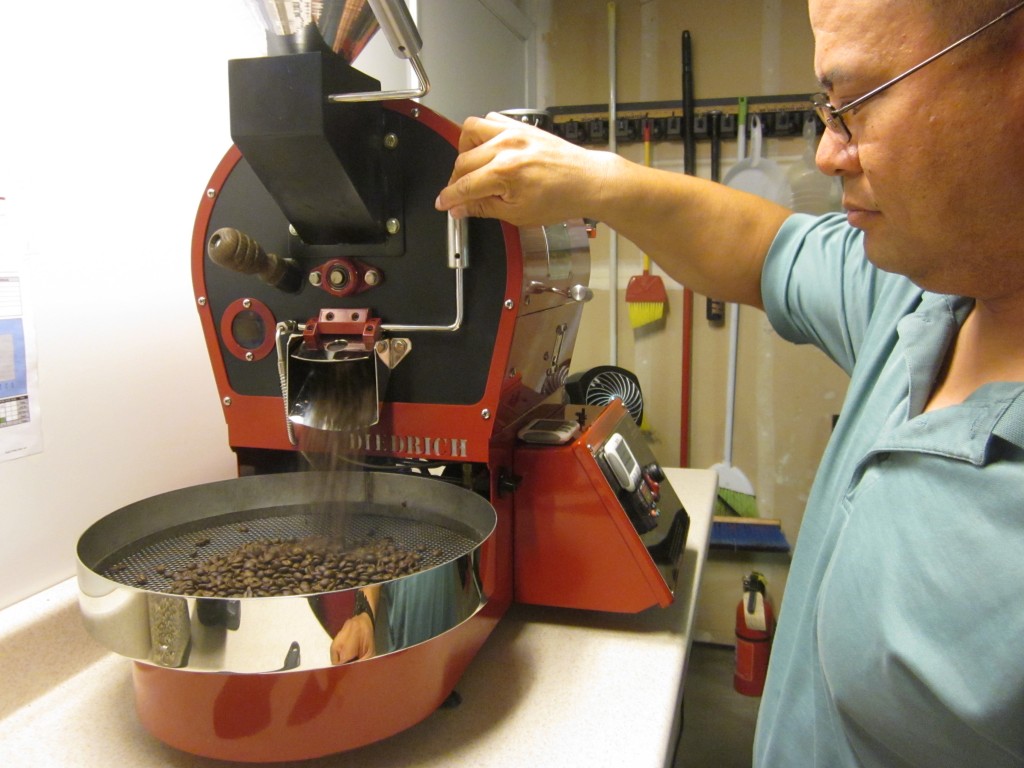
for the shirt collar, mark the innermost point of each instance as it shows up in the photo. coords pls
(995, 409)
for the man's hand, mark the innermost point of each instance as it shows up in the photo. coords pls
(519, 173)
(355, 641)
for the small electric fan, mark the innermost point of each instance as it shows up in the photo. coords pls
(601, 385)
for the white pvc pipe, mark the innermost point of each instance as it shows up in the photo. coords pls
(613, 248)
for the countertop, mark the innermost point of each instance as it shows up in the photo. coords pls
(549, 687)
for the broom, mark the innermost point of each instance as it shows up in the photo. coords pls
(735, 492)
(645, 293)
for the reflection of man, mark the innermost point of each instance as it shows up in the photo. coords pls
(355, 641)
(423, 606)
(417, 608)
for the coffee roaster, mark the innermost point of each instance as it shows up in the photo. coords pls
(340, 309)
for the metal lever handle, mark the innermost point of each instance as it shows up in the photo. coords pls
(577, 292)
(400, 30)
(458, 260)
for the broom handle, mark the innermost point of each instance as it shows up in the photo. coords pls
(730, 386)
(686, 388)
(734, 309)
(648, 162)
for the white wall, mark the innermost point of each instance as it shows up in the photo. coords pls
(476, 54)
(112, 120)
(112, 123)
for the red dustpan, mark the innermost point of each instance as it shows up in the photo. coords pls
(645, 293)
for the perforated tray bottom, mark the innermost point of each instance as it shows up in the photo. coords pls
(188, 545)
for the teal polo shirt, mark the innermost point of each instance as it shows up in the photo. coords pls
(901, 635)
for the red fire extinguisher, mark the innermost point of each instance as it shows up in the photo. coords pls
(755, 625)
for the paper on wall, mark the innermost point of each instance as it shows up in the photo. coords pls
(21, 431)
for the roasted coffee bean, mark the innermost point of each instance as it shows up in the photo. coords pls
(286, 567)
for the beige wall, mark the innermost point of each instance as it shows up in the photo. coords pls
(786, 395)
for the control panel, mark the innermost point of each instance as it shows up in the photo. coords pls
(600, 507)
(637, 487)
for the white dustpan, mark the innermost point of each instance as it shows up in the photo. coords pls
(757, 174)
(811, 191)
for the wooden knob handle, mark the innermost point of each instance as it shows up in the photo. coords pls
(230, 248)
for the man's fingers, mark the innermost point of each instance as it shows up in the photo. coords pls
(483, 177)
(480, 130)
(467, 191)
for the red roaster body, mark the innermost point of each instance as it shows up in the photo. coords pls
(486, 341)
(576, 525)
(343, 315)
(298, 715)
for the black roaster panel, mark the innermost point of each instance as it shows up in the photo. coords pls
(418, 287)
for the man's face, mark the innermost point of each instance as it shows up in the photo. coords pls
(925, 174)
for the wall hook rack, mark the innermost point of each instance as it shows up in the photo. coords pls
(783, 115)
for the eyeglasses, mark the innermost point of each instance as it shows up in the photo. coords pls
(833, 117)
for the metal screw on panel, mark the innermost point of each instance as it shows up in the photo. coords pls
(371, 277)
(247, 303)
(292, 231)
(509, 304)
(485, 414)
(390, 141)
(512, 373)
(415, 112)
(211, 193)
(399, 344)
(201, 301)
(227, 401)
(393, 225)
(249, 356)
(315, 278)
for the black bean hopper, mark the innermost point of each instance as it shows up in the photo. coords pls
(376, 362)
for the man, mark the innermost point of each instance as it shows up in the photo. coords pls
(898, 641)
